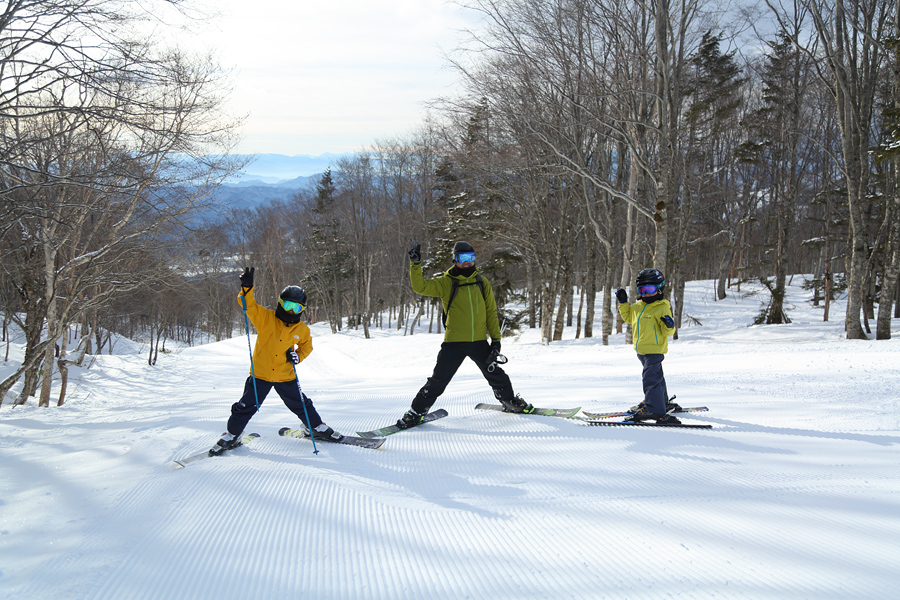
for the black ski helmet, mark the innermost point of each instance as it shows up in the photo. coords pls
(292, 293)
(651, 277)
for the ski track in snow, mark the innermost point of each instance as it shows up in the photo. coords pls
(794, 494)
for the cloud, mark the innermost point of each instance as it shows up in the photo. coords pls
(312, 76)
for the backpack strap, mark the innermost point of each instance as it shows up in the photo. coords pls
(456, 285)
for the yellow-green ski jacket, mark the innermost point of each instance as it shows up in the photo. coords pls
(472, 317)
(651, 336)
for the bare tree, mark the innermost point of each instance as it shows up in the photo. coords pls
(106, 142)
(851, 39)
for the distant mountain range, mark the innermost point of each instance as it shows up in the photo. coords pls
(278, 168)
(270, 177)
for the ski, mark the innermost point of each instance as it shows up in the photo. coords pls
(646, 424)
(566, 413)
(347, 439)
(390, 429)
(180, 464)
(593, 415)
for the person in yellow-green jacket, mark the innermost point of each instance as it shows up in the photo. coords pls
(471, 316)
(652, 325)
(283, 341)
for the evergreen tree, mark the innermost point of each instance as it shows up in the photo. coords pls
(328, 270)
(776, 130)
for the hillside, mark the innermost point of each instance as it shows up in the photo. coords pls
(794, 493)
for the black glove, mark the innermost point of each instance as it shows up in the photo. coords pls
(293, 357)
(667, 321)
(495, 358)
(622, 296)
(415, 253)
(247, 277)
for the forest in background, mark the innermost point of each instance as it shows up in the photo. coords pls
(588, 140)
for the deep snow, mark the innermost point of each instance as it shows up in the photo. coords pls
(793, 494)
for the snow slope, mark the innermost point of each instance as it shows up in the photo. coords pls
(794, 493)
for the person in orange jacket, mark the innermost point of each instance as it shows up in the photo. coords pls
(283, 341)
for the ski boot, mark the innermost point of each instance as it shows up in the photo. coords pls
(410, 419)
(517, 404)
(670, 407)
(642, 413)
(324, 432)
(227, 442)
(668, 419)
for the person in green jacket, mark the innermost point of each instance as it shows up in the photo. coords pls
(471, 315)
(652, 323)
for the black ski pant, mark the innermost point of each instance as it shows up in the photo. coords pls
(449, 359)
(289, 391)
(655, 393)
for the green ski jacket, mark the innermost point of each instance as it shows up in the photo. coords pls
(472, 317)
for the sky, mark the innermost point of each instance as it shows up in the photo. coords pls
(332, 77)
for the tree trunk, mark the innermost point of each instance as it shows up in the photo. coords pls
(63, 366)
(565, 294)
(532, 297)
(548, 301)
(591, 285)
(368, 298)
(891, 274)
(607, 307)
(580, 307)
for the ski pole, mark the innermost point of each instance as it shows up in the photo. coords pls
(252, 373)
(305, 412)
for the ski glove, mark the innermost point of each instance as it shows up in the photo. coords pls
(622, 296)
(293, 357)
(247, 277)
(667, 321)
(495, 358)
(415, 253)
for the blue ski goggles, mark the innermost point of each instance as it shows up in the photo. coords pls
(464, 257)
(291, 306)
(648, 290)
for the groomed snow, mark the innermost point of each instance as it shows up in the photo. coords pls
(793, 494)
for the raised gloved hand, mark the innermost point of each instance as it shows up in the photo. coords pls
(415, 253)
(667, 321)
(622, 296)
(247, 277)
(293, 357)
